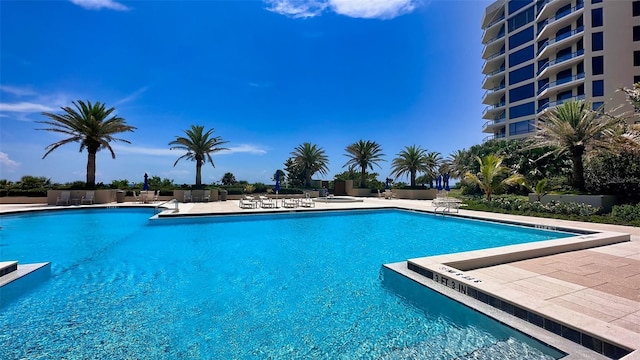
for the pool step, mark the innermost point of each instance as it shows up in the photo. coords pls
(7, 267)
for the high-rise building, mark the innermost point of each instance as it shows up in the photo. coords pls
(539, 54)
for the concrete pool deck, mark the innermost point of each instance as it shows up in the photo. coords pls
(595, 290)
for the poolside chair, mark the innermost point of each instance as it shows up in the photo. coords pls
(290, 203)
(186, 196)
(267, 203)
(64, 198)
(137, 198)
(156, 196)
(247, 204)
(307, 202)
(206, 196)
(88, 197)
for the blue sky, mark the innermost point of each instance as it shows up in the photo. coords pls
(266, 75)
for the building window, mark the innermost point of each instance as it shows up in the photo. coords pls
(521, 56)
(636, 8)
(522, 127)
(522, 92)
(636, 79)
(521, 19)
(522, 110)
(515, 5)
(597, 42)
(521, 74)
(597, 104)
(636, 58)
(596, 17)
(598, 88)
(597, 63)
(636, 33)
(521, 37)
(596, 1)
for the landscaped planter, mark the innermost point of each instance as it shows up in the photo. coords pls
(415, 194)
(605, 202)
(359, 192)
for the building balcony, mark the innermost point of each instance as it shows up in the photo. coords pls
(553, 104)
(548, 8)
(494, 78)
(491, 111)
(560, 41)
(493, 46)
(493, 13)
(493, 62)
(552, 24)
(553, 66)
(499, 19)
(492, 95)
(492, 125)
(493, 31)
(493, 137)
(559, 85)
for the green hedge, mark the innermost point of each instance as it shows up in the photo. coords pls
(28, 193)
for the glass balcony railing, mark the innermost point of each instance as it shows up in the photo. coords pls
(560, 82)
(559, 16)
(491, 91)
(494, 106)
(501, 52)
(497, 20)
(559, 102)
(496, 38)
(559, 38)
(493, 122)
(493, 137)
(560, 60)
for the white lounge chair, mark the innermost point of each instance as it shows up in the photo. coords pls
(64, 198)
(137, 198)
(307, 202)
(247, 204)
(206, 196)
(290, 203)
(156, 196)
(267, 203)
(88, 197)
(186, 196)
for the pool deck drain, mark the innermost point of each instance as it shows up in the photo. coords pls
(595, 289)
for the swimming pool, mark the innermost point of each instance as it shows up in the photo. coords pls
(262, 286)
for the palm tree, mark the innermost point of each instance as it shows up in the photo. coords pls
(363, 154)
(572, 127)
(228, 179)
(310, 159)
(457, 163)
(411, 160)
(90, 125)
(434, 159)
(199, 146)
(493, 175)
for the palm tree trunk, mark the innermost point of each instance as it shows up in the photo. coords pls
(198, 173)
(413, 178)
(91, 169)
(577, 169)
(363, 177)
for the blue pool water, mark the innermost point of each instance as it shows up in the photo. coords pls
(292, 286)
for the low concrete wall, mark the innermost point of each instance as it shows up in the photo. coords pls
(360, 192)
(100, 196)
(605, 202)
(23, 200)
(415, 194)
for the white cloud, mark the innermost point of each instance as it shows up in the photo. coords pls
(368, 9)
(373, 9)
(297, 8)
(18, 91)
(242, 148)
(6, 162)
(26, 107)
(245, 148)
(132, 97)
(99, 4)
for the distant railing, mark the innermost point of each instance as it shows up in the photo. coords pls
(559, 38)
(559, 16)
(560, 60)
(560, 82)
